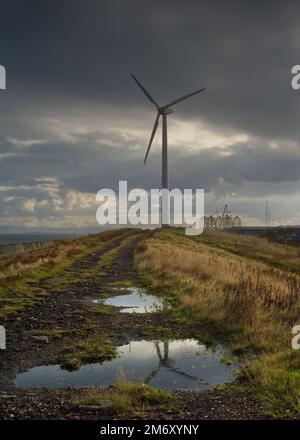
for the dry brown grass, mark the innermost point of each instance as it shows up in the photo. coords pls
(219, 285)
(21, 273)
(280, 255)
(129, 398)
(210, 283)
(14, 267)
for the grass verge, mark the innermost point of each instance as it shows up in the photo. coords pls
(20, 274)
(253, 304)
(93, 349)
(128, 398)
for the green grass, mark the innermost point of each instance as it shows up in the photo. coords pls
(58, 332)
(129, 398)
(226, 359)
(277, 255)
(276, 378)
(19, 292)
(92, 349)
(103, 309)
(221, 287)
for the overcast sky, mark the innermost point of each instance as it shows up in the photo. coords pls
(72, 121)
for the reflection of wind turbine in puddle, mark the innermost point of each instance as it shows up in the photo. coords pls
(166, 362)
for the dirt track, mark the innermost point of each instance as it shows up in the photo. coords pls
(23, 352)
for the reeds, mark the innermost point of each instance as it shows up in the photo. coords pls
(232, 290)
(225, 287)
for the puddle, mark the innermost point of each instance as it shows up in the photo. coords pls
(181, 364)
(137, 301)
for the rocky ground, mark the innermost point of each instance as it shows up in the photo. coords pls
(57, 404)
(33, 339)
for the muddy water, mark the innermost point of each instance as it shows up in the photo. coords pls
(178, 364)
(136, 301)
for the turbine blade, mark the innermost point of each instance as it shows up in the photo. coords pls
(152, 136)
(145, 91)
(183, 97)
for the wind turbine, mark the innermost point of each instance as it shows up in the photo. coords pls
(163, 111)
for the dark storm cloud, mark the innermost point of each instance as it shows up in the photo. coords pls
(241, 51)
(76, 56)
(84, 165)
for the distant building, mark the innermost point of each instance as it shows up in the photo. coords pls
(227, 220)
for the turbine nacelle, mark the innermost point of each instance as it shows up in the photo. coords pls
(161, 110)
(165, 111)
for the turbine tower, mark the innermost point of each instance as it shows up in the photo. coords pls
(163, 111)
